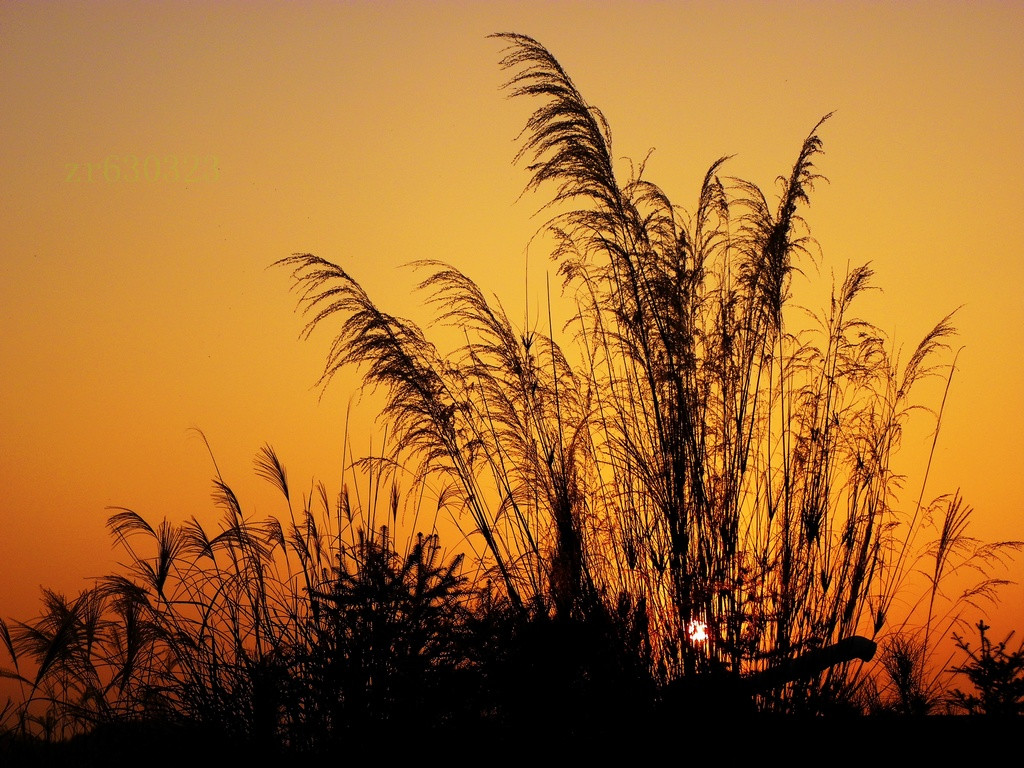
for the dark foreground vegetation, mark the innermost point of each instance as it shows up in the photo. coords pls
(679, 509)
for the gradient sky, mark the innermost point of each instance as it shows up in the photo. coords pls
(373, 134)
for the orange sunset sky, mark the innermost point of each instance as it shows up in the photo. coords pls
(132, 311)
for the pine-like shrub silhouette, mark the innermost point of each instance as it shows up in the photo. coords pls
(997, 676)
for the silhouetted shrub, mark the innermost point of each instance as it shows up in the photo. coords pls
(996, 674)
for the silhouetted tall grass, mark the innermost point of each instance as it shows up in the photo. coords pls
(690, 452)
(686, 492)
(289, 631)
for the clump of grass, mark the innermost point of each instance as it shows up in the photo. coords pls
(284, 632)
(690, 447)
